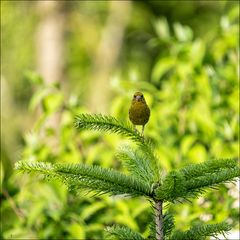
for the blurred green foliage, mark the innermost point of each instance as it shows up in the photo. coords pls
(185, 60)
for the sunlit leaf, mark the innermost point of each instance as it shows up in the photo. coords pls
(162, 28)
(183, 33)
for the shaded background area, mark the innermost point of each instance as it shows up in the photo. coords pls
(60, 58)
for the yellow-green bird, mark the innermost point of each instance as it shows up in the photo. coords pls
(139, 111)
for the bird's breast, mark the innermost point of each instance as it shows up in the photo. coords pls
(139, 113)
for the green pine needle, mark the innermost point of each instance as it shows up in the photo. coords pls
(137, 163)
(92, 178)
(110, 124)
(211, 179)
(190, 182)
(144, 180)
(210, 166)
(40, 167)
(201, 231)
(173, 186)
(99, 122)
(123, 233)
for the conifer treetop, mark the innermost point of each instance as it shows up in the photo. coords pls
(143, 179)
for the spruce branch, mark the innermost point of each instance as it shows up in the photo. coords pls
(92, 178)
(137, 163)
(144, 180)
(110, 124)
(212, 179)
(168, 224)
(172, 187)
(123, 233)
(190, 181)
(201, 231)
(39, 167)
(210, 166)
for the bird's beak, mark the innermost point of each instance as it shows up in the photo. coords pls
(138, 98)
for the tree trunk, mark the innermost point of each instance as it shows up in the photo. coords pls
(49, 42)
(159, 220)
(50, 59)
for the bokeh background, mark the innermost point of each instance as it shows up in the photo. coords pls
(60, 58)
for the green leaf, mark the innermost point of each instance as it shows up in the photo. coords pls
(92, 209)
(162, 28)
(34, 77)
(197, 52)
(52, 102)
(197, 153)
(77, 231)
(38, 98)
(186, 143)
(183, 33)
(161, 67)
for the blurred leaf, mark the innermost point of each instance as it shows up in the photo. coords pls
(186, 143)
(162, 67)
(35, 214)
(124, 217)
(162, 28)
(90, 210)
(224, 22)
(94, 227)
(37, 98)
(183, 33)
(140, 209)
(76, 231)
(197, 52)
(233, 14)
(34, 77)
(197, 154)
(52, 102)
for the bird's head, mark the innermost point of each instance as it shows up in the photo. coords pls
(138, 97)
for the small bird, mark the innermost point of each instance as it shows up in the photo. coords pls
(139, 111)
